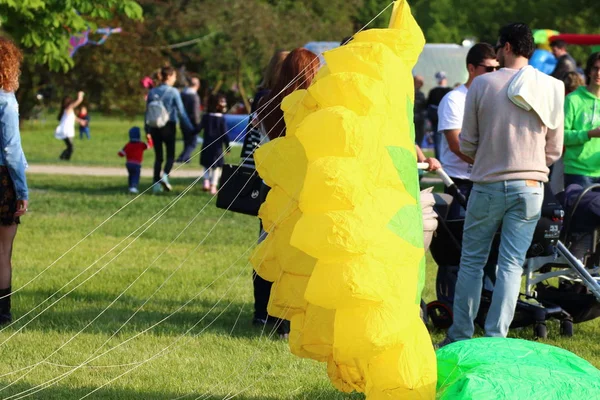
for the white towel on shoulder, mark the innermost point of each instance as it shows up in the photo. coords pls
(531, 89)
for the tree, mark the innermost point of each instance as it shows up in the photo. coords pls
(371, 9)
(44, 26)
(451, 21)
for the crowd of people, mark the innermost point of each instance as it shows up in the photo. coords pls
(499, 135)
(495, 139)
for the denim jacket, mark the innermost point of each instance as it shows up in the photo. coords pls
(171, 99)
(11, 154)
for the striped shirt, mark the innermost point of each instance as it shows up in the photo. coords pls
(251, 143)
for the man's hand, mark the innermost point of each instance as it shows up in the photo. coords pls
(594, 133)
(21, 208)
(434, 164)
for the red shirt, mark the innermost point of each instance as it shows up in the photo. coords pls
(134, 151)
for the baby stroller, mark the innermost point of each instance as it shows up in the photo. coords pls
(533, 307)
(576, 260)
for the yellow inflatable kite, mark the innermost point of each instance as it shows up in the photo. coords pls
(345, 244)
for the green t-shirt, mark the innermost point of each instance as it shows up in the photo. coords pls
(582, 114)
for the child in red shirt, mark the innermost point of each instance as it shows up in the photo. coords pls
(134, 153)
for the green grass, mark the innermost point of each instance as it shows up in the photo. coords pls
(221, 345)
(109, 135)
(214, 351)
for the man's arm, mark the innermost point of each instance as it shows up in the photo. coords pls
(555, 139)
(196, 109)
(469, 135)
(452, 136)
(434, 164)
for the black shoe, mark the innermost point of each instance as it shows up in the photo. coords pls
(5, 319)
(259, 322)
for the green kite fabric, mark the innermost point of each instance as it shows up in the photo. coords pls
(513, 369)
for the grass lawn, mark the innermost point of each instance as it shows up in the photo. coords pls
(109, 135)
(191, 262)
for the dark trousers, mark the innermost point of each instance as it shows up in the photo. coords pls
(166, 136)
(68, 152)
(134, 171)
(262, 292)
(581, 180)
(419, 132)
(262, 288)
(464, 186)
(190, 140)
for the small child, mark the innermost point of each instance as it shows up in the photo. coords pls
(134, 151)
(215, 141)
(84, 122)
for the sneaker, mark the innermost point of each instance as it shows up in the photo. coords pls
(157, 189)
(133, 190)
(206, 186)
(165, 183)
(443, 343)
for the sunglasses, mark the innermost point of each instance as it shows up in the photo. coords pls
(498, 47)
(489, 68)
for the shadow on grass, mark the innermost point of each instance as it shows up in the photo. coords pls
(72, 313)
(108, 393)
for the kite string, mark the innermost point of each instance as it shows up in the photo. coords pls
(120, 295)
(359, 31)
(260, 109)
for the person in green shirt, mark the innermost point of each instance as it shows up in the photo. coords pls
(582, 129)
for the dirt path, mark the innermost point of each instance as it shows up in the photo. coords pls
(103, 171)
(121, 171)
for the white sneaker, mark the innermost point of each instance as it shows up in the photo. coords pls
(157, 189)
(133, 190)
(165, 183)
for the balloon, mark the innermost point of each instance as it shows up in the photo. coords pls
(541, 37)
(345, 243)
(543, 60)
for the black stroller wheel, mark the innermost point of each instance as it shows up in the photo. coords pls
(540, 331)
(566, 328)
(440, 314)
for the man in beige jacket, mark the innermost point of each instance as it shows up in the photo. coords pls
(512, 149)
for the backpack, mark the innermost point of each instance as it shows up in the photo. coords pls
(157, 115)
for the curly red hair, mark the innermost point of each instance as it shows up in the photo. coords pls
(10, 65)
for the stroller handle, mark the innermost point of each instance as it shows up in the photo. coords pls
(440, 172)
(449, 183)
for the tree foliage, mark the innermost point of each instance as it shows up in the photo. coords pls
(229, 43)
(44, 26)
(451, 21)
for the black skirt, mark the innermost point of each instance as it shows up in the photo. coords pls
(8, 199)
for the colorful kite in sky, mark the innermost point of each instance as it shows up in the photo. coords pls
(77, 41)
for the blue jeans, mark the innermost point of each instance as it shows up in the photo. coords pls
(516, 205)
(134, 171)
(84, 131)
(581, 180)
(190, 141)
(437, 143)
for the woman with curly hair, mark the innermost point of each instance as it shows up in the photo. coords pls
(13, 185)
